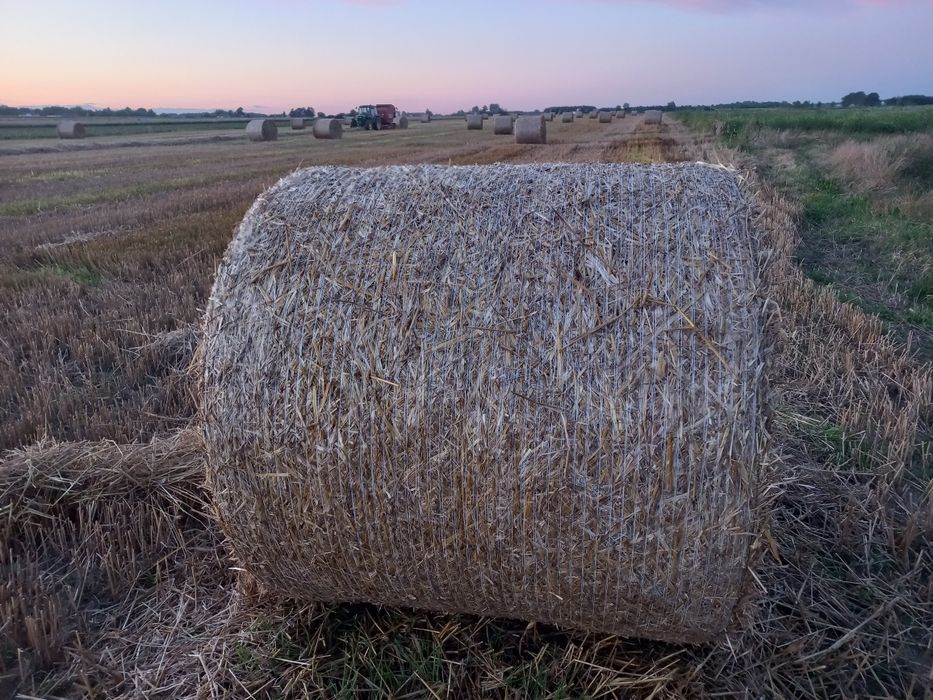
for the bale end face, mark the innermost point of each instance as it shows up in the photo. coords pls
(653, 116)
(474, 122)
(423, 458)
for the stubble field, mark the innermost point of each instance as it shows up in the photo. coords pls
(113, 576)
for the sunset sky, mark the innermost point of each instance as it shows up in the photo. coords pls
(523, 54)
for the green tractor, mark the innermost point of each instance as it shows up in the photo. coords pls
(367, 117)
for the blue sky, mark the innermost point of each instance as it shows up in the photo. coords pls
(449, 55)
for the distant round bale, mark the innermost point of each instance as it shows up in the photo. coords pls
(298, 123)
(578, 114)
(474, 121)
(262, 130)
(548, 116)
(327, 129)
(530, 129)
(425, 118)
(566, 117)
(401, 411)
(605, 117)
(70, 129)
(653, 116)
(593, 114)
(620, 114)
(502, 124)
(402, 122)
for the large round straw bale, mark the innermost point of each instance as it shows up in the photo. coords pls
(548, 116)
(262, 130)
(474, 121)
(566, 117)
(653, 116)
(327, 129)
(298, 123)
(502, 124)
(402, 122)
(536, 396)
(70, 129)
(530, 129)
(605, 117)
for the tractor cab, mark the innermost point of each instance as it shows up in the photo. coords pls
(366, 117)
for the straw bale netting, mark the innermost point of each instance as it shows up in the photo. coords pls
(262, 130)
(653, 116)
(530, 129)
(536, 396)
(605, 117)
(327, 129)
(474, 121)
(298, 123)
(70, 129)
(566, 117)
(502, 124)
(402, 122)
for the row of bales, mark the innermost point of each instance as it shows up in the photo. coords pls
(534, 129)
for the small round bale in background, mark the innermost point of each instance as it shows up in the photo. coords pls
(605, 117)
(425, 118)
(566, 117)
(502, 124)
(327, 129)
(578, 114)
(620, 114)
(386, 419)
(401, 122)
(548, 116)
(593, 114)
(70, 129)
(474, 121)
(262, 130)
(298, 123)
(653, 116)
(530, 129)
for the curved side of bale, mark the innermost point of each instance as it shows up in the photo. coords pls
(593, 114)
(262, 130)
(70, 129)
(530, 129)
(435, 416)
(474, 121)
(578, 114)
(566, 117)
(502, 124)
(297, 123)
(620, 115)
(548, 116)
(327, 129)
(605, 117)
(653, 116)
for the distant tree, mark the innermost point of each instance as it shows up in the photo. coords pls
(872, 99)
(494, 108)
(429, 113)
(626, 106)
(239, 112)
(475, 109)
(671, 105)
(854, 99)
(485, 109)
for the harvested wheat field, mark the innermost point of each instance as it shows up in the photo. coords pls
(694, 426)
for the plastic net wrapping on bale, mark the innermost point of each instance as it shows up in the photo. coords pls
(524, 391)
